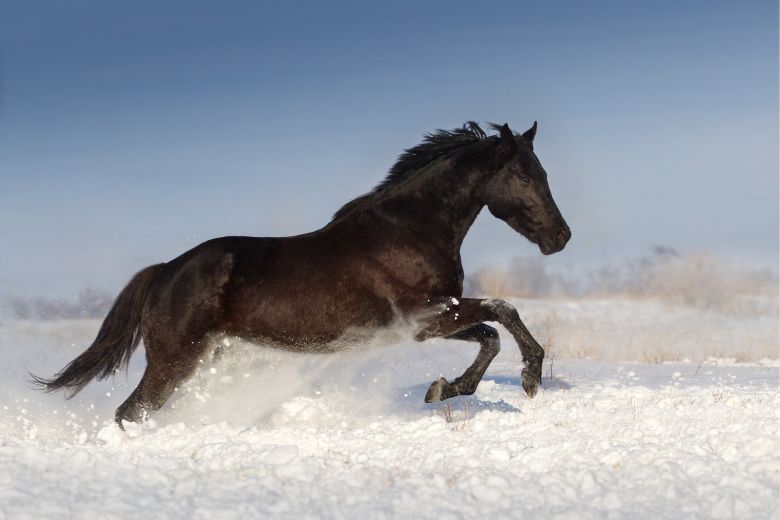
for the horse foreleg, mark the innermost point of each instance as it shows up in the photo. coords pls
(451, 316)
(466, 384)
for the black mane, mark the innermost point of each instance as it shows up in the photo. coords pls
(434, 146)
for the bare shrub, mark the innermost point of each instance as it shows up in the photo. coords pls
(495, 282)
(697, 280)
(700, 281)
(654, 352)
(526, 277)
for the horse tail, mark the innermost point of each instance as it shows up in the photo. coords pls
(117, 339)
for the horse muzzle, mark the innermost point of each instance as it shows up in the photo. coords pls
(556, 242)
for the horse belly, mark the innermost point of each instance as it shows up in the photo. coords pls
(307, 293)
(298, 317)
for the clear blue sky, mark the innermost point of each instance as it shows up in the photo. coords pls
(130, 131)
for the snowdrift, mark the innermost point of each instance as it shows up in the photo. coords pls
(648, 408)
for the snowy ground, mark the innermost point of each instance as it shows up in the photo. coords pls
(264, 434)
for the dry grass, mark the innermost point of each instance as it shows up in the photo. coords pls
(446, 412)
(456, 417)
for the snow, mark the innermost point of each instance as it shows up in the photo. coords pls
(265, 433)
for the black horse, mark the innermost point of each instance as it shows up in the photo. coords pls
(392, 254)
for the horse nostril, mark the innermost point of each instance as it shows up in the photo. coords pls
(561, 237)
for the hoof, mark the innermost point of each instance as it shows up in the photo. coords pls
(130, 413)
(438, 391)
(530, 382)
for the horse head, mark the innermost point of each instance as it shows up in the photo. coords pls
(518, 193)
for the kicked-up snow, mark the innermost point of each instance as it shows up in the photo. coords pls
(263, 433)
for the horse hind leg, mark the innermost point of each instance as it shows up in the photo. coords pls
(150, 394)
(176, 340)
(161, 378)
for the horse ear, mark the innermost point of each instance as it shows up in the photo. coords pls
(508, 144)
(530, 133)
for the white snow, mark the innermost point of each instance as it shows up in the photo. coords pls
(271, 434)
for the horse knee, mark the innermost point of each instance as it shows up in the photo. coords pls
(501, 310)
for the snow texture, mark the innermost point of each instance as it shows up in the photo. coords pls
(269, 434)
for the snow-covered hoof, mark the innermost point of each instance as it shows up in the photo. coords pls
(530, 382)
(129, 412)
(440, 390)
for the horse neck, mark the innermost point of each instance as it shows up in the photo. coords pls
(442, 204)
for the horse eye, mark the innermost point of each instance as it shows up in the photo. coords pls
(525, 180)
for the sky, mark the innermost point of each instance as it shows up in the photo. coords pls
(132, 131)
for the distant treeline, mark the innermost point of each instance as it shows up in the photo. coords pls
(88, 304)
(689, 279)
